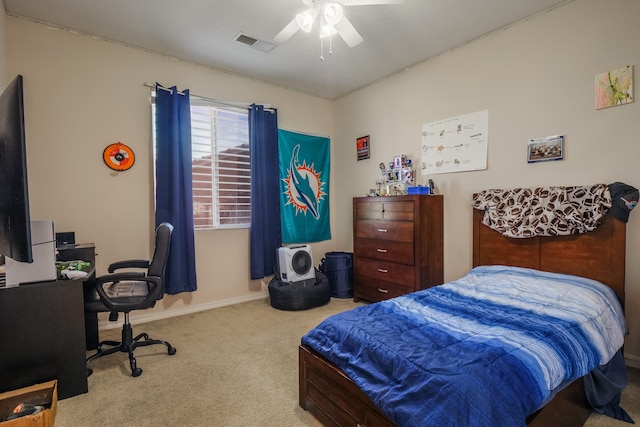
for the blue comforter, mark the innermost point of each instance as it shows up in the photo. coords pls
(484, 350)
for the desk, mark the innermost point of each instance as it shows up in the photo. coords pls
(42, 331)
(42, 336)
(84, 252)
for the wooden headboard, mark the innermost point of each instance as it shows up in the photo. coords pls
(598, 255)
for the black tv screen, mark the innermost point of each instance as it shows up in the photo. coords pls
(15, 222)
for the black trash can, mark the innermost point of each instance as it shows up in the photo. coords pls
(338, 267)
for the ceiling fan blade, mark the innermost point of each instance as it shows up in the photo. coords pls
(348, 32)
(288, 31)
(368, 2)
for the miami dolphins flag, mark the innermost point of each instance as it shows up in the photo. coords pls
(304, 187)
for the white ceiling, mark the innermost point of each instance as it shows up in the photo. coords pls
(395, 36)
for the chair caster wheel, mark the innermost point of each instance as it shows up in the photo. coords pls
(136, 372)
(171, 351)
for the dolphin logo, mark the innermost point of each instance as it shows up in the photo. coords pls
(300, 188)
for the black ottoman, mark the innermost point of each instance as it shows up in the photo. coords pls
(299, 295)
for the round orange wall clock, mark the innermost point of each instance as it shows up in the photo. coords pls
(119, 157)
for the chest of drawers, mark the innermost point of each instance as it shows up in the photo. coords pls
(397, 245)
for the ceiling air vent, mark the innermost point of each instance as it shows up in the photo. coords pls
(254, 43)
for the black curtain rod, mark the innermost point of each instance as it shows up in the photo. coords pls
(227, 104)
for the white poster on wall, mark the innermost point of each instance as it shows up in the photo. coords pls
(455, 144)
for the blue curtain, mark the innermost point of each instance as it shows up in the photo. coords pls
(265, 232)
(173, 186)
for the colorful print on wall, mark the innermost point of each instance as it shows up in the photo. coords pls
(362, 147)
(614, 87)
(304, 187)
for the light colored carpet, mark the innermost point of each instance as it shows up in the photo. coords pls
(235, 366)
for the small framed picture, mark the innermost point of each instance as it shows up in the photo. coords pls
(545, 149)
(614, 87)
(362, 147)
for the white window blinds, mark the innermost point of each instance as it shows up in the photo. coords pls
(221, 168)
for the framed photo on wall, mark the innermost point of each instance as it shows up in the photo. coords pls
(362, 147)
(545, 149)
(614, 87)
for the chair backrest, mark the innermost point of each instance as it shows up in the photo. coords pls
(158, 263)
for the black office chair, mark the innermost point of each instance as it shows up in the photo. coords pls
(122, 292)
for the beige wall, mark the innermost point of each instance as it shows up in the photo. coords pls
(536, 79)
(3, 47)
(82, 94)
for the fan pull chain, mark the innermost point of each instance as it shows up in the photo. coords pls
(322, 47)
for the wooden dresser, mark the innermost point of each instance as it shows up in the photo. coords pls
(397, 244)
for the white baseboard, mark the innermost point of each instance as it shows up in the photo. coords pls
(632, 360)
(151, 316)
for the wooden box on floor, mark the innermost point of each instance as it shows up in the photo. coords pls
(45, 394)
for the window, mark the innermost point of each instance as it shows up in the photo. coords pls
(221, 173)
(221, 168)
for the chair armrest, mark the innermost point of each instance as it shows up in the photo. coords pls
(132, 263)
(118, 277)
(153, 282)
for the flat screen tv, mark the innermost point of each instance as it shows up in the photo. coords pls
(15, 223)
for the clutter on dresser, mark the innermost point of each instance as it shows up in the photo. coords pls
(423, 189)
(419, 189)
(395, 180)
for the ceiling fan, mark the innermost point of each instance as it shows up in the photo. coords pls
(332, 20)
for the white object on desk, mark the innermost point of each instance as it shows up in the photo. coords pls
(43, 267)
(73, 274)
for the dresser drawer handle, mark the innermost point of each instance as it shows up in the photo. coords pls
(384, 251)
(384, 291)
(382, 230)
(381, 270)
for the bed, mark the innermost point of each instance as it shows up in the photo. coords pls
(334, 399)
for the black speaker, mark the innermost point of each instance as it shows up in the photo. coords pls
(295, 264)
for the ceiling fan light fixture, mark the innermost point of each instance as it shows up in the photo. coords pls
(327, 30)
(332, 13)
(305, 19)
(332, 21)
